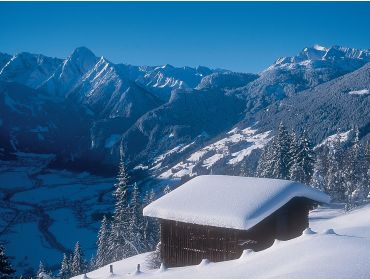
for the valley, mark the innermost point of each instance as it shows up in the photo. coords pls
(44, 212)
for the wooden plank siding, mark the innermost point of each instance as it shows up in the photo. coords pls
(187, 244)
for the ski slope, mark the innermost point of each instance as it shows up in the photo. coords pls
(338, 246)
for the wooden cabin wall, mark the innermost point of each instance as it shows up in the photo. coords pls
(187, 244)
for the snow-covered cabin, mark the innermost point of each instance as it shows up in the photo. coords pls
(217, 217)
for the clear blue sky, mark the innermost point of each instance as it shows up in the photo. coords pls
(241, 36)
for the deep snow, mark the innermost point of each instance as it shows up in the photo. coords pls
(228, 201)
(343, 252)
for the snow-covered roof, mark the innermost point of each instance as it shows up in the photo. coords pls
(229, 201)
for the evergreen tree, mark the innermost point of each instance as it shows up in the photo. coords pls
(154, 259)
(151, 226)
(294, 160)
(293, 149)
(70, 263)
(302, 159)
(167, 189)
(41, 272)
(275, 159)
(308, 157)
(79, 263)
(264, 167)
(136, 235)
(335, 182)
(118, 245)
(146, 223)
(354, 174)
(280, 154)
(103, 254)
(318, 177)
(6, 270)
(367, 168)
(91, 264)
(65, 271)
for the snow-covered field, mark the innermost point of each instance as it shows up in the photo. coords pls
(337, 247)
(44, 212)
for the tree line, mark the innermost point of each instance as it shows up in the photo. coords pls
(342, 173)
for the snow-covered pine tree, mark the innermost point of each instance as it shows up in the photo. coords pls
(293, 149)
(280, 154)
(64, 272)
(303, 159)
(91, 265)
(154, 259)
(79, 263)
(136, 223)
(146, 222)
(167, 189)
(318, 177)
(367, 167)
(70, 263)
(6, 270)
(335, 182)
(118, 245)
(41, 272)
(102, 253)
(307, 156)
(367, 153)
(354, 174)
(294, 160)
(264, 167)
(153, 225)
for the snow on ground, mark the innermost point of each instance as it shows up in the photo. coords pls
(178, 149)
(359, 92)
(126, 267)
(343, 252)
(343, 137)
(238, 144)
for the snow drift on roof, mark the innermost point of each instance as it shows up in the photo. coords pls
(229, 201)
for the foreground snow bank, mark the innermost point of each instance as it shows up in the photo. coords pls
(338, 246)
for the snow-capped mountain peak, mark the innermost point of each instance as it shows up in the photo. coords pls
(70, 72)
(83, 58)
(321, 53)
(319, 47)
(29, 69)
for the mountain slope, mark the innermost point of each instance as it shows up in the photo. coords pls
(70, 72)
(29, 69)
(308, 69)
(31, 121)
(325, 108)
(188, 115)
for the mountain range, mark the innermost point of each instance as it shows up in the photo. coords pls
(174, 122)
